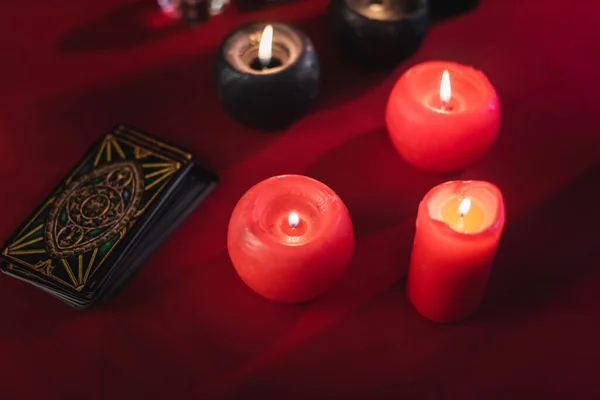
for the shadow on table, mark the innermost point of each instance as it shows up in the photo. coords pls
(175, 88)
(249, 6)
(341, 79)
(127, 26)
(138, 23)
(549, 248)
(29, 315)
(379, 188)
(176, 100)
(444, 9)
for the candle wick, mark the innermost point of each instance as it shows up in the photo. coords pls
(446, 106)
(461, 223)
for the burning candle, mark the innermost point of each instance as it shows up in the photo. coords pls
(442, 116)
(379, 32)
(251, 5)
(445, 8)
(290, 238)
(267, 75)
(459, 225)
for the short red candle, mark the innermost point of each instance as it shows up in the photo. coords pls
(290, 238)
(459, 225)
(442, 127)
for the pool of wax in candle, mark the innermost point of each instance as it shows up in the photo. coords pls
(444, 207)
(273, 217)
(471, 221)
(259, 66)
(468, 87)
(296, 230)
(385, 10)
(241, 49)
(280, 57)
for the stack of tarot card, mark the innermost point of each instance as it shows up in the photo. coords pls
(112, 211)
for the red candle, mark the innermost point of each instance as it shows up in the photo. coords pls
(459, 224)
(290, 238)
(442, 116)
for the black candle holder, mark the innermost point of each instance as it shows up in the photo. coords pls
(448, 8)
(267, 97)
(250, 5)
(379, 32)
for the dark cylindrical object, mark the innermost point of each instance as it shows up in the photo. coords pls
(194, 11)
(379, 32)
(446, 8)
(271, 97)
(249, 5)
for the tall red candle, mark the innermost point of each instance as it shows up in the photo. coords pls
(441, 116)
(290, 238)
(459, 225)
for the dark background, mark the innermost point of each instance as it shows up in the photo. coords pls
(186, 326)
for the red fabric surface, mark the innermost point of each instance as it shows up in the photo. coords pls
(187, 327)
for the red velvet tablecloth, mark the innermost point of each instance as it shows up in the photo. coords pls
(187, 327)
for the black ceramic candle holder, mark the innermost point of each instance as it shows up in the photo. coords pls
(249, 5)
(270, 95)
(447, 8)
(379, 32)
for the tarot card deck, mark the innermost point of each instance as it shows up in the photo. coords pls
(108, 216)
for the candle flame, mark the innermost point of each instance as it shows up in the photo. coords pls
(445, 88)
(293, 219)
(465, 206)
(265, 48)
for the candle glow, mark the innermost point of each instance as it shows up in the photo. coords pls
(265, 48)
(445, 88)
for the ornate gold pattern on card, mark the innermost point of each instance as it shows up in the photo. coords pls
(93, 209)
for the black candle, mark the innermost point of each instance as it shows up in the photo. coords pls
(267, 74)
(248, 5)
(445, 8)
(379, 32)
